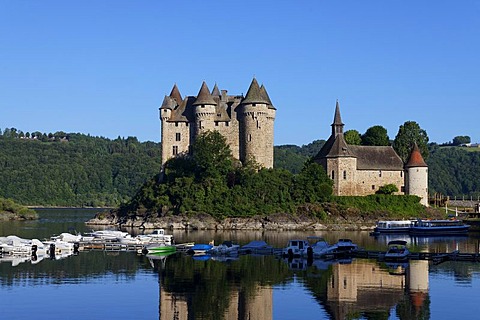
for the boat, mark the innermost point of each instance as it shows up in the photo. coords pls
(159, 248)
(67, 237)
(318, 249)
(295, 248)
(13, 245)
(60, 248)
(200, 248)
(225, 248)
(397, 251)
(109, 235)
(157, 236)
(392, 226)
(438, 227)
(343, 247)
(256, 247)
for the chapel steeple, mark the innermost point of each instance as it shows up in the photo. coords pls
(337, 125)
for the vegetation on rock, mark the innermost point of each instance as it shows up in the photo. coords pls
(9, 210)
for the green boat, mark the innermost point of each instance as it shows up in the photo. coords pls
(160, 248)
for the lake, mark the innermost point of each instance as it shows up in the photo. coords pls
(126, 285)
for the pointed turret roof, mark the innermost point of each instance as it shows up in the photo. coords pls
(216, 91)
(204, 96)
(416, 159)
(175, 94)
(254, 94)
(265, 95)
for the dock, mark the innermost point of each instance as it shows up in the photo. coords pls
(435, 257)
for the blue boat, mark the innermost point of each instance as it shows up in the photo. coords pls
(200, 248)
(438, 227)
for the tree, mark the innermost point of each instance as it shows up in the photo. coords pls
(212, 155)
(312, 184)
(408, 133)
(353, 137)
(387, 189)
(459, 140)
(376, 136)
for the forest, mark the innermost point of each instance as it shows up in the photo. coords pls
(77, 170)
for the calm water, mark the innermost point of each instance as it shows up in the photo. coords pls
(124, 285)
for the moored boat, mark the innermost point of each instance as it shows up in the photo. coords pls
(225, 248)
(392, 226)
(159, 248)
(295, 248)
(438, 227)
(397, 251)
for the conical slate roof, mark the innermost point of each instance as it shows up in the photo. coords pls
(175, 94)
(216, 91)
(254, 94)
(337, 119)
(416, 159)
(264, 93)
(204, 96)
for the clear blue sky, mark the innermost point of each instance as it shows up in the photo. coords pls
(103, 67)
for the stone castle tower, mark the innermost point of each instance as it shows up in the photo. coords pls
(362, 170)
(416, 181)
(245, 122)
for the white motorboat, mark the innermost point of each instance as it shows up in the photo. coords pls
(225, 248)
(109, 235)
(256, 247)
(68, 237)
(14, 245)
(157, 236)
(60, 248)
(295, 248)
(343, 247)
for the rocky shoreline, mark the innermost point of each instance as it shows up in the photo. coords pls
(207, 222)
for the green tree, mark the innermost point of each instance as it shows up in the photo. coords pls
(459, 140)
(312, 184)
(211, 154)
(376, 136)
(387, 189)
(353, 137)
(408, 133)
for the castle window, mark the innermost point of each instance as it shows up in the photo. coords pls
(227, 123)
(380, 173)
(189, 149)
(249, 137)
(216, 123)
(200, 124)
(175, 150)
(186, 124)
(177, 136)
(401, 173)
(254, 104)
(402, 188)
(176, 124)
(345, 174)
(373, 187)
(258, 124)
(333, 174)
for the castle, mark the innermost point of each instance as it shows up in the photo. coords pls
(362, 170)
(245, 122)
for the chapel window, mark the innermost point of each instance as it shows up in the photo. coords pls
(177, 136)
(345, 174)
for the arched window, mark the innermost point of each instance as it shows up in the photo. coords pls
(333, 174)
(345, 174)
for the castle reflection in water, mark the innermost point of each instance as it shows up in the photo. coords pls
(341, 289)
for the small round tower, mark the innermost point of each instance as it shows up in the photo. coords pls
(205, 110)
(416, 177)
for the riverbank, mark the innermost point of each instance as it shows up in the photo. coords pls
(305, 220)
(9, 210)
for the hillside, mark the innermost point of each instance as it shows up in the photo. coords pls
(79, 170)
(75, 170)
